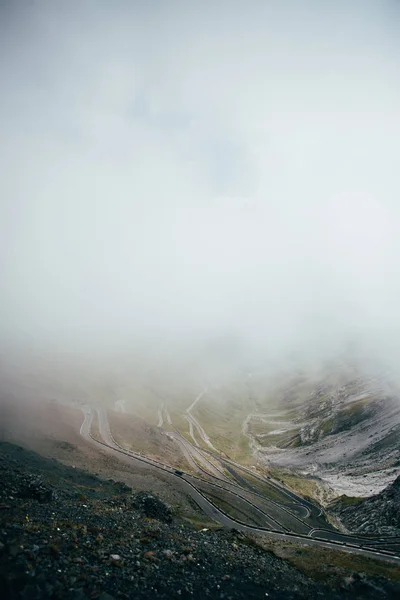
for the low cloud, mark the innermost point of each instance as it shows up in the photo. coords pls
(178, 175)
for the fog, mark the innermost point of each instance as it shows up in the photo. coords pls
(180, 176)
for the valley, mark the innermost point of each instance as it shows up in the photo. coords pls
(267, 450)
(234, 500)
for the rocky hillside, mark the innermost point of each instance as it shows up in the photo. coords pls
(378, 514)
(344, 431)
(65, 534)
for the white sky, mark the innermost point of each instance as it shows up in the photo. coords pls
(189, 170)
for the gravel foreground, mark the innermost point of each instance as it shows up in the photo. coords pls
(65, 533)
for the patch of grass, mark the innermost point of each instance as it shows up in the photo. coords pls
(325, 564)
(232, 510)
(304, 486)
(222, 421)
(198, 521)
(357, 405)
(345, 501)
(287, 439)
(180, 423)
(328, 425)
(268, 491)
(235, 446)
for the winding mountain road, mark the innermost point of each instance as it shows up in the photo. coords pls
(191, 484)
(193, 422)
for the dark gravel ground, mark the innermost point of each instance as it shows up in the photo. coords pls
(67, 534)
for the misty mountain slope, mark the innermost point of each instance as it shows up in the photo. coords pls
(347, 435)
(332, 422)
(225, 402)
(52, 430)
(220, 412)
